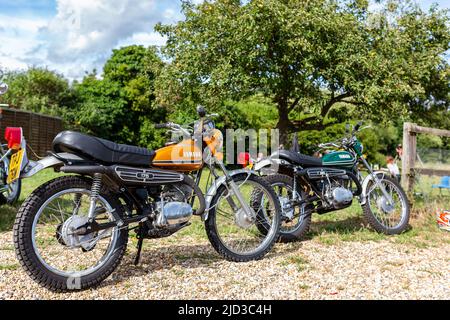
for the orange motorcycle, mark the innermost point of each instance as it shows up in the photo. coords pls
(72, 232)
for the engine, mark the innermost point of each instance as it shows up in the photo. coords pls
(174, 209)
(173, 214)
(338, 197)
(335, 185)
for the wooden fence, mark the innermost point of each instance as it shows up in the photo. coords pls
(409, 169)
(39, 130)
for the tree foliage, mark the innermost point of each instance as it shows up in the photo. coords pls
(120, 105)
(308, 57)
(38, 90)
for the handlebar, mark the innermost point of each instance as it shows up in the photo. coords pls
(161, 126)
(358, 126)
(328, 145)
(174, 127)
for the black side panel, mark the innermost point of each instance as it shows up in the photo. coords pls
(323, 173)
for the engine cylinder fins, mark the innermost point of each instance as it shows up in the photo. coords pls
(323, 173)
(147, 176)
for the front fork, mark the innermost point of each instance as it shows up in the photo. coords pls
(232, 186)
(378, 182)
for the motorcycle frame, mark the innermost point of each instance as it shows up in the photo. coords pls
(73, 164)
(298, 171)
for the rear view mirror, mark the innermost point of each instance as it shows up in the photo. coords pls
(3, 88)
(201, 111)
(347, 127)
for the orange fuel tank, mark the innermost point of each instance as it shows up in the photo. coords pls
(184, 157)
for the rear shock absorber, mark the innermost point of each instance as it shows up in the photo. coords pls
(95, 192)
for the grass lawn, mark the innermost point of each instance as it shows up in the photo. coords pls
(8, 213)
(331, 228)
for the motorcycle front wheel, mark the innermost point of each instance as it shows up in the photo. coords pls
(49, 251)
(385, 217)
(235, 236)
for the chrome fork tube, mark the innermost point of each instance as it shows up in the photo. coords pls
(378, 182)
(235, 189)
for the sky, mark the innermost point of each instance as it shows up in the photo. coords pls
(75, 36)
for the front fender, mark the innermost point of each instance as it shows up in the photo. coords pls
(365, 184)
(216, 185)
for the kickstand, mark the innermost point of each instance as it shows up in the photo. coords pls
(139, 246)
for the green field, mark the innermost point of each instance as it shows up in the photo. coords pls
(331, 228)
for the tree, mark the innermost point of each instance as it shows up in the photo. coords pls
(38, 90)
(120, 106)
(308, 57)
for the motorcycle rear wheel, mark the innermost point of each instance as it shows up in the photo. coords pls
(12, 191)
(42, 249)
(283, 186)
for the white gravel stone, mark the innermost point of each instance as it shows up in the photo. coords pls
(190, 269)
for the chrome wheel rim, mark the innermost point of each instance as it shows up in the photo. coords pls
(246, 239)
(299, 212)
(390, 216)
(57, 251)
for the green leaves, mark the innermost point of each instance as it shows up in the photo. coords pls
(308, 52)
(120, 106)
(38, 90)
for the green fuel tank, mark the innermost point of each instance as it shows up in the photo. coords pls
(342, 159)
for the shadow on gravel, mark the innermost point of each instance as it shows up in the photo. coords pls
(164, 257)
(349, 225)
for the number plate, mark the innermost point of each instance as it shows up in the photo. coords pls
(15, 166)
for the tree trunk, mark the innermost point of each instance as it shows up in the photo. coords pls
(283, 124)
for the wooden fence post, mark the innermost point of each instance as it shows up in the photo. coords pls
(409, 156)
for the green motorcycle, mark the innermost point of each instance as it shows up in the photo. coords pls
(307, 185)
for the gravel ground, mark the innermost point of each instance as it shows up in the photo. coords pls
(184, 268)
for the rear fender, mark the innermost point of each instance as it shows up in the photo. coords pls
(33, 167)
(270, 165)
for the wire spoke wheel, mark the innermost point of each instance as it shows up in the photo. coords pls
(11, 191)
(296, 219)
(386, 217)
(47, 245)
(236, 234)
(55, 243)
(293, 216)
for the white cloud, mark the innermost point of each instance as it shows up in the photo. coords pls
(82, 34)
(17, 37)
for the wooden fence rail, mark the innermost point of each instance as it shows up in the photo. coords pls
(39, 130)
(410, 131)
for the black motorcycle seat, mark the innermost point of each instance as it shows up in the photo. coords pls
(298, 158)
(101, 150)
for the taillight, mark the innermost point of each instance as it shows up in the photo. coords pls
(244, 159)
(14, 137)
